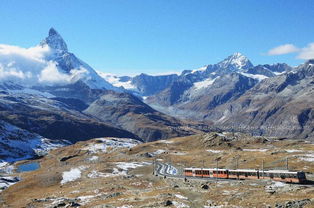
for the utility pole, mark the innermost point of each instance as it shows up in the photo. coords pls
(154, 167)
(237, 162)
(203, 169)
(216, 170)
(287, 164)
(263, 169)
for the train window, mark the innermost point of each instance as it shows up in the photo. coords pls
(282, 176)
(301, 175)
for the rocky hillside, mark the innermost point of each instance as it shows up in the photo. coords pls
(18, 144)
(279, 106)
(112, 172)
(272, 100)
(126, 111)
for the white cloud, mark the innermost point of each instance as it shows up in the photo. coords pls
(36, 53)
(307, 52)
(51, 74)
(10, 73)
(30, 66)
(283, 49)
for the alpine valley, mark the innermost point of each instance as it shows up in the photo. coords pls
(72, 136)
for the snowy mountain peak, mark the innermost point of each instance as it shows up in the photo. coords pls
(235, 62)
(54, 41)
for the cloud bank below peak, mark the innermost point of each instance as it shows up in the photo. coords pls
(304, 53)
(32, 66)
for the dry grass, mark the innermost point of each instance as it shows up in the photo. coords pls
(141, 189)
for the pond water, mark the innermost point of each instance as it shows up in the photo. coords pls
(28, 167)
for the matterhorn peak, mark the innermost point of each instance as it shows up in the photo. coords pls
(52, 32)
(55, 41)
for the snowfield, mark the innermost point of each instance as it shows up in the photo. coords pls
(308, 157)
(72, 175)
(214, 151)
(121, 169)
(111, 144)
(131, 165)
(203, 84)
(115, 81)
(255, 150)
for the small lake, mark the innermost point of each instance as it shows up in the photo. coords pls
(28, 167)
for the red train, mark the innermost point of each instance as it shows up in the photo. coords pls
(277, 175)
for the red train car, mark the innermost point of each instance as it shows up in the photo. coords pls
(277, 175)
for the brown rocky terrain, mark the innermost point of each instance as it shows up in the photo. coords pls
(119, 173)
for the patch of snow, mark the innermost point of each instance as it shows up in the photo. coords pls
(86, 199)
(165, 141)
(199, 69)
(293, 150)
(179, 204)
(308, 158)
(72, 175)
(5, 182)
(259, 77)
(158, 152)
(203, 84)
(279, 73)
(121, 170)
(214, 151)
(93, 158)
(112, 144)
(178, 153)
(115, 81)
(278, 184)
(131, 165)
(6, 168)
(180, 196)
(255, 150)
(125, 206)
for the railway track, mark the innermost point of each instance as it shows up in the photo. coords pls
(164, 169)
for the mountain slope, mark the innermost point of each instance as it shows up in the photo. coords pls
(280, 106)
(53, 119)
(18, 144)
(129, 112)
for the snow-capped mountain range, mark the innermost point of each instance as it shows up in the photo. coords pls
(147, 85)
(46, 90)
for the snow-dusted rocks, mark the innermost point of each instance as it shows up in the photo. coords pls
(54, 41)
(18, 144)
(106, 145)
(235, 62)
(7, 181)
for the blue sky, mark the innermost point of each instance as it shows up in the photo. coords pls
(156, 36)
